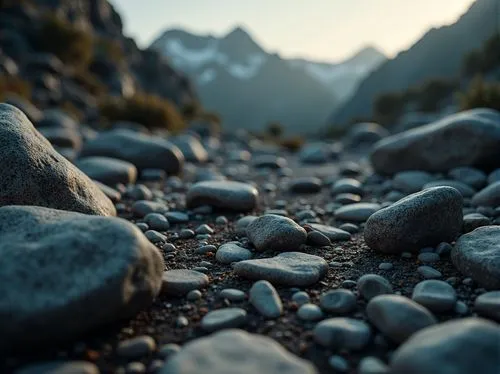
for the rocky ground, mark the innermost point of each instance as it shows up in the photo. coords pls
(344, 258)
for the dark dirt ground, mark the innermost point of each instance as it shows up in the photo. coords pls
(159, 321)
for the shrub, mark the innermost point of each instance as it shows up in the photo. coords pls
(148, 110)
(71, 44)
(109, 48)
(388, 107)
(293, 144)
(484, 59)
(15, 85)
(480, 95)
(275, 129)
(89, 82)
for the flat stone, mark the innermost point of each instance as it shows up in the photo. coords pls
(411, 181)
(177, 217)
(398, 317)
(305, 185)
(474, 220)
(471, 176)
(332, 233)
(191, 148)
(250, 353)
(372, 365)
(288, 269)
(342, 333)
(107, 170)
(474, 136)
(62, 267)
(316, 238)
(60, 367)
(33, 173)
(347, 198)
(143, 207)
(338, 301)
(477, 255)
(358, 212)
(437, 296)
(265, 298)
(136, 348)
(228, 195)
(464, 189)
(488, 305)
(489, 196)
(428, 257)
(226, 318)
(419, 220)
(309, 312)
(277, 233)
(230, 252)
(347, 185)
(157, 221)
(179, 282)
(463, 346)
(232, 294)
(144, 151)
(429, 272)
(371, 285)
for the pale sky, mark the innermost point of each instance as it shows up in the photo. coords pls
(327, 30)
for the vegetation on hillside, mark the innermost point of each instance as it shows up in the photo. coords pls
(480, 94)
(14, 85)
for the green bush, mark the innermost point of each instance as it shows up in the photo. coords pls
(71, 44)
(480, 95)
(293, 144)
(109, 48)
(15, 85)
(89, 82)
(149, 110)
(484, 60)
(275, 129)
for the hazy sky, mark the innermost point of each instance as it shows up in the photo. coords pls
(318, 29)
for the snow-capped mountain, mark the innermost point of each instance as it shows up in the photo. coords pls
(250, 87)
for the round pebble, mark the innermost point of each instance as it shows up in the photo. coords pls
(488, 305)
(264, 297)
(310, 312)
(232, 294)
(301, 297)
(371, 285)
(342, 333)
(224, 319)
(179, 282)
(137, 347)
(338, 301)
(435, 295)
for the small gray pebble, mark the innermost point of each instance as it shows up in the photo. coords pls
(232, 294)
(372, 365)
(301, 297)
(318, 239)
(137, 347)
(385, 266)
(221, 221)
(135, 368)
(461, 308)
(168, 247)
(443, 249)
(338, 363)
(310, 312)
(168, 350)
(206, 249)
(155, 237)
(224, 319)
(204, 229)
(186, 234)
(157, 221)
(194, 295)
(181, 321)
(371, 285)
(428, 272)
(428, 257)
(142, 226)
(338, 301)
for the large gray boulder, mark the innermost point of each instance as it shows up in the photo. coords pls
(33, 173)
(468, 138)
(469, 345)
(420, 220)
(65, 273)
(144, 151)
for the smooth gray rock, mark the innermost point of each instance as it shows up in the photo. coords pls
(191, 148)
(398, 317)
(471, 176)
(488, 305)
(468, 138)
(288, 269)
(60, 367)
(309, 312)
(474, 220)
(332, 233)
(419, 220)
(372, 365)
(226, 318)
(157, 221)
(342, 333)
(109, 171)
(230, 252)
(428, 257)
(33, 173)
(437, 296)
(232, 350)
(62, 137)
(179, 282)
(232, 294)
(461, 346)
(276, 233)
(142, 208)
(305, 185)
(371, 285)
(358, 212)
(477, 255)
(144, 151)
(316, 238)
(428, 272)
(228, 195)
(347, 185)
(411, 181)
(62, 267)
(301, 297)
(242, 224)
(338, 301)
(465, 190)
(494, 176)
(136, 348)
(488, 196)
(264, 297)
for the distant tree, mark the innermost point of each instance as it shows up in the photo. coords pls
(388, 107)
(433, 92)
(480, 95)
(275, 129)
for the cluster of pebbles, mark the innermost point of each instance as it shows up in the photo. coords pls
(142, 256)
